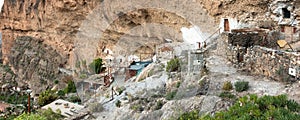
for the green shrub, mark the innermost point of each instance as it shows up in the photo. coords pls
(118, 103)
(193, 115)
(71, 88)
(178, 84)
(171, 95)
(265, 108)
(56, 81)
(40, 115)
(241, 86)
(50, 114)
(158, 105)
(227, 86)
(96, 66)
(251, 107)
(47, 97)
(83, 76)
(74, 99)
(227, 95)
(120, 90)
(26, 116)
(61, 93)
(137, 107)
(173, 65)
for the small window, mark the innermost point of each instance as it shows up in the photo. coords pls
(286, 13)
(294, 30)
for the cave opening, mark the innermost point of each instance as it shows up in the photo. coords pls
(286, 13)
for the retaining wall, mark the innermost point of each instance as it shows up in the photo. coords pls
(276, 64)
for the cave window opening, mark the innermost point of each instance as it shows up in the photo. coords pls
(286, 13)
(282, 29)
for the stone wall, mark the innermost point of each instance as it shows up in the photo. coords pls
(265, 61)
(249, 37)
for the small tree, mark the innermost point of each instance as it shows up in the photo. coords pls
(173, 65)
(118, 103)
(241, 86)
(71, 88)
(47, 97)
(96, 65)
(227, 86)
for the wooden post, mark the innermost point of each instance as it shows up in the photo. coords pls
(112, 93)
(28, 102)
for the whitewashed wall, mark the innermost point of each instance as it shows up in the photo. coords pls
(233, 24)
(1, 4)
(192, 36)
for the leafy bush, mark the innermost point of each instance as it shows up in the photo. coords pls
(14, 98)
(51, 115)
(96, 66)
(26, 116)
(227, 95)
(40, 115)
(171, 95)
(83, 76)
(253, 108)
(118, 103)
(193, 115)
(120, 90)
(227, 86)
(241, 86)
(158, 105)
(173, 65)
(71, 88)
(137, 107)
(61, 93)
(178, 84)
(56, 81)
(74, 99)
(47, 97)
(264, 108)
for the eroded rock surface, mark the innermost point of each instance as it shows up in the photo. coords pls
(36, 63)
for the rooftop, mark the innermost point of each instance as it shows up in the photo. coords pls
(67, 108)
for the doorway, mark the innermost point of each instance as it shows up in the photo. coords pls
(226, 25)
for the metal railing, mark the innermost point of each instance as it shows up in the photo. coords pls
(217, 31)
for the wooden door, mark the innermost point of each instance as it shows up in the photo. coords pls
(226, 25)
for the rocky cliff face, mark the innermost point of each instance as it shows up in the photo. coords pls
(245, 10)
(82, 29)
(55, 21)
(36, 63)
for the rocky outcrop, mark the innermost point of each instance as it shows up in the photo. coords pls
(55, 21)
(244, 10)
(36, 63)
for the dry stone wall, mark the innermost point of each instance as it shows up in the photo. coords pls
(258, 60)
(248, 37)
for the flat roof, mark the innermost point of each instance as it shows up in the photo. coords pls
(136, 67)
(67, 108)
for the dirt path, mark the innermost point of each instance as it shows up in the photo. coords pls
(222, 70)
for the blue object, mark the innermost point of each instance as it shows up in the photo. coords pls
(139, 66)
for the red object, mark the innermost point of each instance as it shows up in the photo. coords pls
(28, 103)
